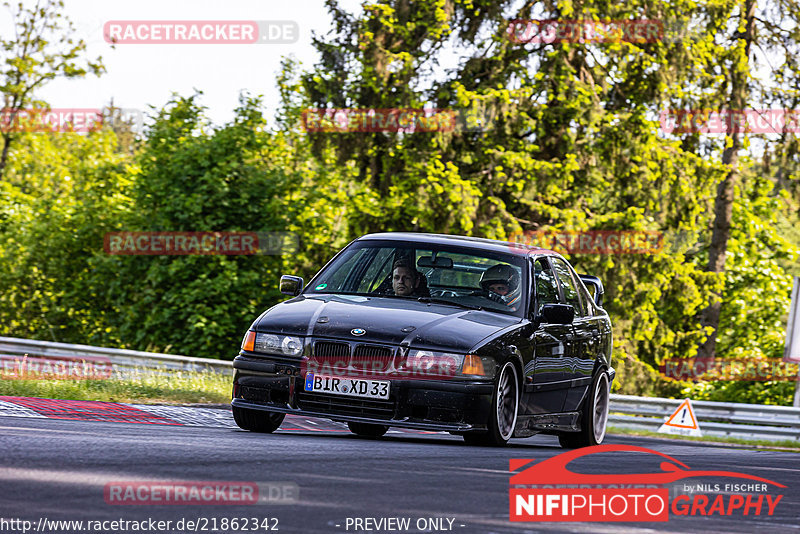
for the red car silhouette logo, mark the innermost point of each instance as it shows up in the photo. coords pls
(554, 470)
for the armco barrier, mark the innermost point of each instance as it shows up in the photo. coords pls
(717, 419)
(123, 362)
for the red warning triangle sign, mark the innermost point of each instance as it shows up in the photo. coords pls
(682, 421)
(683, 417)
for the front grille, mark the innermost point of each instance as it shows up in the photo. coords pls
(340, 405)
(329, 355)
(376, 358)
(331, 349)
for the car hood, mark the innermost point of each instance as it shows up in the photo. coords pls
(386, 320)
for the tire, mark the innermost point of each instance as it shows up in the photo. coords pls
(367, 430)
(594, 417)
(257, 420)
(505, 406)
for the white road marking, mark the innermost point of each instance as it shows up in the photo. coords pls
(15, 410)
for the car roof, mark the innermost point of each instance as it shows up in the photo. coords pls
(518, 249)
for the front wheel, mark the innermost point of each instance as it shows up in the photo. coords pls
(505, 404)
(367, 430)
(594, 417)
(257, 420)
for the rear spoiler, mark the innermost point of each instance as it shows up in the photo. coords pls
(594, 284)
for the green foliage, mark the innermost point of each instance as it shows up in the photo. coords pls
(43, 48)
(192, 178)
(62, 193)
(775, 393)
(67, 191)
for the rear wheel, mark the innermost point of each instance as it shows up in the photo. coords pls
(367, 430)
(505, 404)
(257, 420)
(594, 417)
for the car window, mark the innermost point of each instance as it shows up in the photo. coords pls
(587, 297)
(338, 278)
(571, 295)
(546, 288)
(378, 271)
(459, 275)
(465, 273)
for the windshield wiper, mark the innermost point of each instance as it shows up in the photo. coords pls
(450, 302)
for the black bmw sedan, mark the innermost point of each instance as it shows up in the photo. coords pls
(485, 339)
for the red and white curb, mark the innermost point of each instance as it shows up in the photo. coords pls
(117, 412)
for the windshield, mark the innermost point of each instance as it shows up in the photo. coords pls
(458, 276)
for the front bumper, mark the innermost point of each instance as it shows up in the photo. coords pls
(276, 385)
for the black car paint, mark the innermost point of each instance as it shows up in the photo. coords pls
(556, 362)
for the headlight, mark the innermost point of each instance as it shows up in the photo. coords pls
(278, 344)
(422, 363)
(426, 363)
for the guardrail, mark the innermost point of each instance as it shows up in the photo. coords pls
(64, 359)
(718, 419)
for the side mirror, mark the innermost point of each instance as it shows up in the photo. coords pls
(557, 314)
(594, 285)
(291, 285)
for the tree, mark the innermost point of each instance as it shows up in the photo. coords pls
(62, 192)
(43, 48)
(568, 143)
(739, 84)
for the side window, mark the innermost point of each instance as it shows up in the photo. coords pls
(546, 288)
(571, 294)
(588, 299)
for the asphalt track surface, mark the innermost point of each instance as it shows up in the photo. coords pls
(58, 469)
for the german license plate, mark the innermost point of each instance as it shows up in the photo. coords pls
(352, 387)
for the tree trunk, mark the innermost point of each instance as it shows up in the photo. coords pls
(4, 156)
(723, 204)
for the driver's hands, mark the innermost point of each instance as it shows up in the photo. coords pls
(494, 297)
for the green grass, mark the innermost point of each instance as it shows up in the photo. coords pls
(790, 445)
(180, 387)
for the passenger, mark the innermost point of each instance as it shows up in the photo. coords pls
(501, 282)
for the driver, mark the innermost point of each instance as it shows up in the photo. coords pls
(406, 280)
(501, 282)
